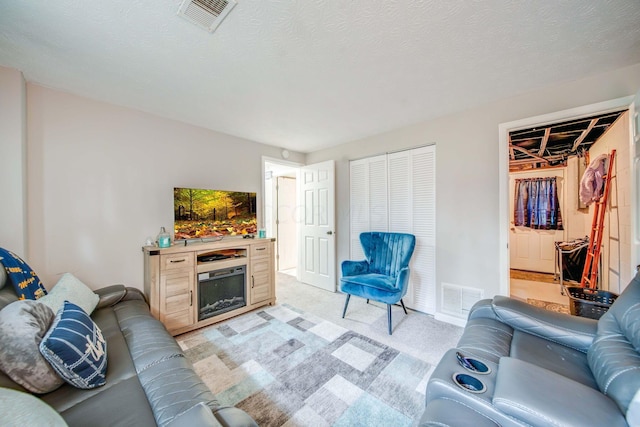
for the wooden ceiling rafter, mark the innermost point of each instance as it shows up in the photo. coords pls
(584, 134)
(550, 145)
(545, 140)
(529, 153)
(512, 154)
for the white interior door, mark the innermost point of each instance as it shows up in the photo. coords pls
(634, 114)
(316, 264)
(530, 249)
(286, 238)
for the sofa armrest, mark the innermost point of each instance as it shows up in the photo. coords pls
(354, 268)
(197, 415)
(135, 294)
(234, 417)
(539, 398)
(571, 331)
(111, 295)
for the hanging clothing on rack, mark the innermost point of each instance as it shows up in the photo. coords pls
(592, 182)
(536, 204)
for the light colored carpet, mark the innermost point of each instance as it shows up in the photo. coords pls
(416, 334)
(286, 367)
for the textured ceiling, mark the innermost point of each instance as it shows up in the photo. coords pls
(310, 74)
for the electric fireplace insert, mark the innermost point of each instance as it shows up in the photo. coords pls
(221, 291)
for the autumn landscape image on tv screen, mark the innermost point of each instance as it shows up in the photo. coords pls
(211, 213)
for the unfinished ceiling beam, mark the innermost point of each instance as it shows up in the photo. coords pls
(533, 161)
(528, 153)
(512, 155)
(583, 135)
(545, 139)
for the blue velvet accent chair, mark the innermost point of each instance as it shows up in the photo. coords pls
(384, 275)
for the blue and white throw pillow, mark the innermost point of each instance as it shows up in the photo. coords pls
(75, 348)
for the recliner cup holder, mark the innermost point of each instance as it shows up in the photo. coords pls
(469, 383)
(478, 367)
(473, 365)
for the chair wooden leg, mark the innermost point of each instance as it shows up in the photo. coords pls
(403, 307)
(346, 303)
(389, 317)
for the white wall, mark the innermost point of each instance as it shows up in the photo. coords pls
(617, 268)
(467, 205)
(13, 219)
(101, 179)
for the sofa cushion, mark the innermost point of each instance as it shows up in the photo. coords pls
(76, 348)
(122, 404)
(531, 394)
(70, 288)
(23, 324)
(555, 357)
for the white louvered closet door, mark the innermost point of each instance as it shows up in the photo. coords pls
(411, 176)
(422, 291)
(368, 200)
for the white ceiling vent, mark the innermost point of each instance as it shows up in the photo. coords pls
(206, 13)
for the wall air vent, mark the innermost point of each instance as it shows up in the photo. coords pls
(206, 13)
(457, 300)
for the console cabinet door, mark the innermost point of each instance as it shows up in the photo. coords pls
(261, 282)
(177, 296)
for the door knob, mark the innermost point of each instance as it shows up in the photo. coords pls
(329, 233)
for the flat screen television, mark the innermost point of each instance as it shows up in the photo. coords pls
(202, 214)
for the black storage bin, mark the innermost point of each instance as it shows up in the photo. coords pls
(591, 303)
(570, 259)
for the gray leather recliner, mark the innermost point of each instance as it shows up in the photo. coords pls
(545, 368)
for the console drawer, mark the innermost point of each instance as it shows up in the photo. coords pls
(261, 250)
(173, 261)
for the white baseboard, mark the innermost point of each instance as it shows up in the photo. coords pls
(450, 319)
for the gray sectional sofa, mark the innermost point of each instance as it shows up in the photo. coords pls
(149, 381)
(544, 368)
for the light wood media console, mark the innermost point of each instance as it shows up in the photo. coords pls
(171, 278)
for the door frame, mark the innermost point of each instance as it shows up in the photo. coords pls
(503, 169)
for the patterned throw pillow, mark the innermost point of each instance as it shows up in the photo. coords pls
(74, 346)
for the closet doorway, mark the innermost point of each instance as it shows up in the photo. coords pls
(280, 207)
(532, 138)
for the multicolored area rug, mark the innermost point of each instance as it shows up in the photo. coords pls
(551, 306)
(289, 368)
